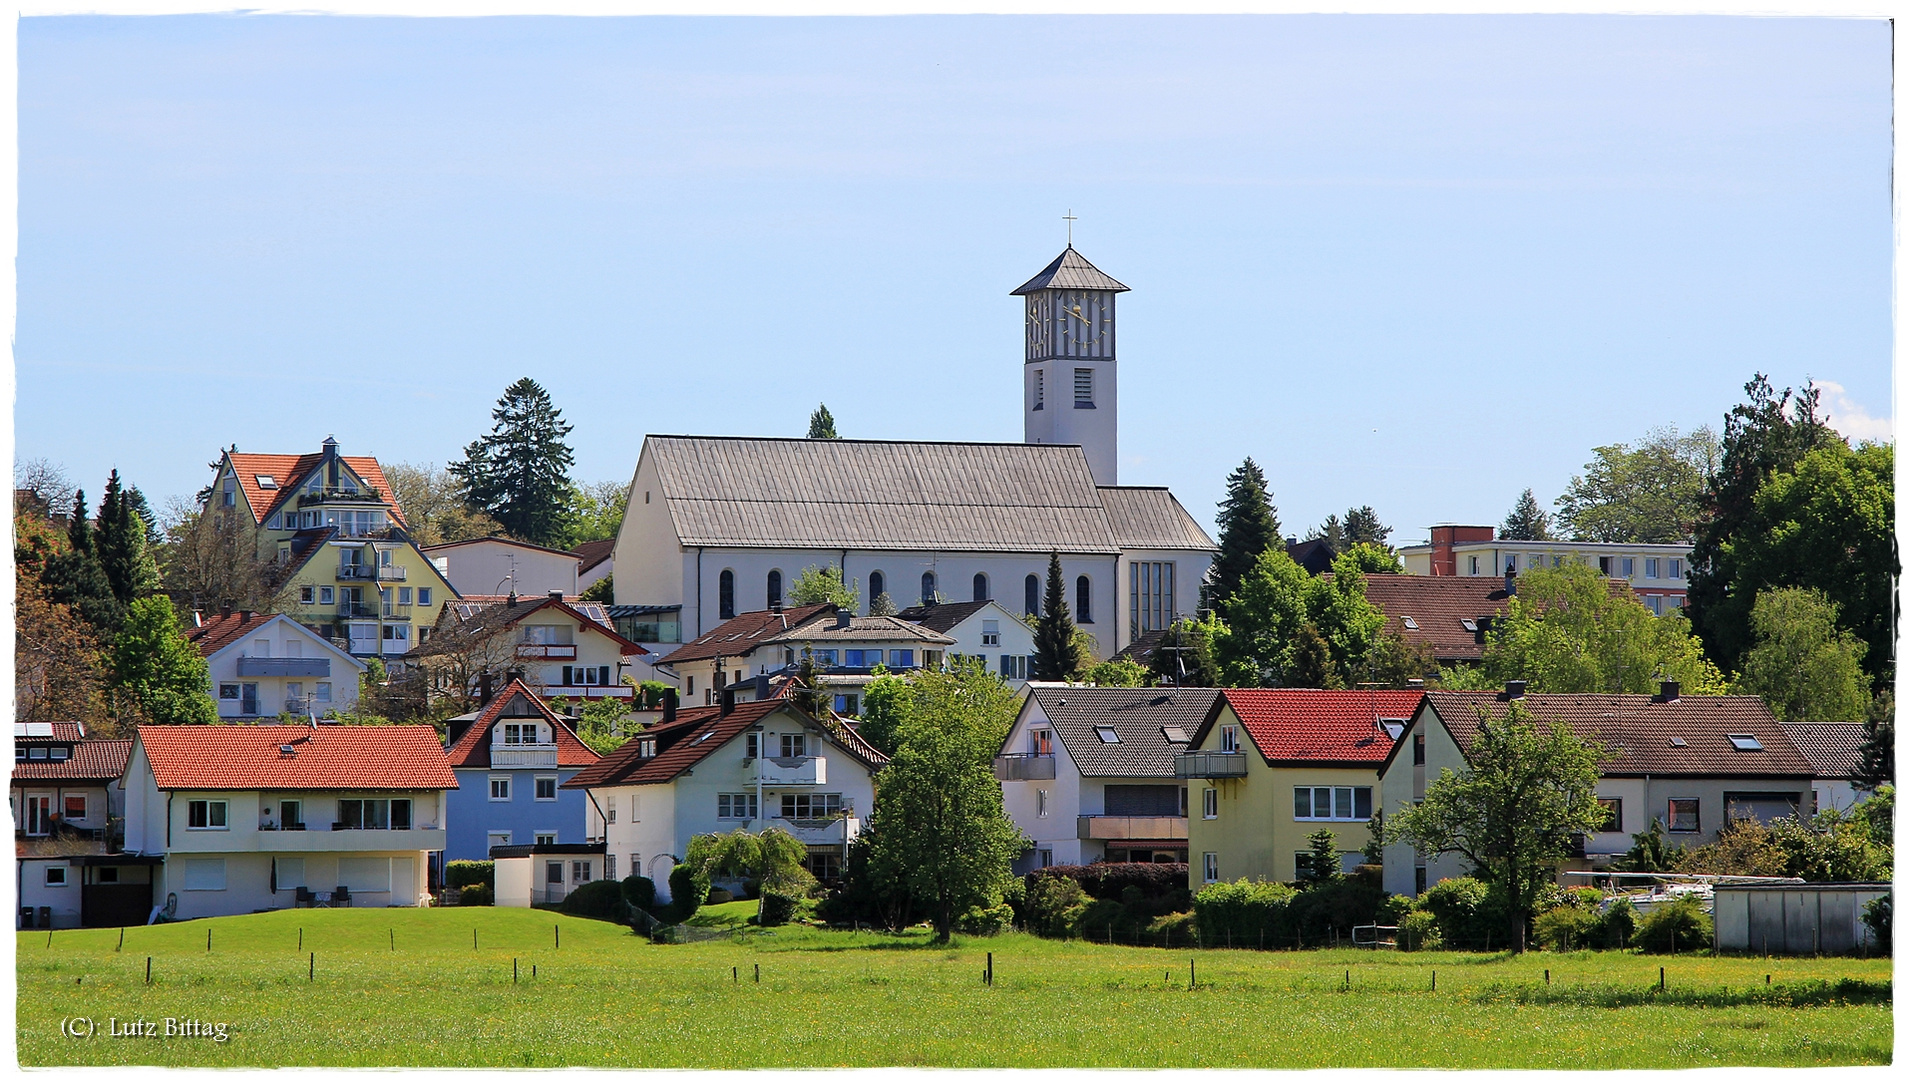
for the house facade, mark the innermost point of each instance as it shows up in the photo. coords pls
(1087, 772)
(562, 648)
(335, 537)
(1658, 573)
(734, 650)
(511, 758)
(498, 564)
(1267, 768)
(68, 801)
(272, 665)
(750, 765)
(243, 818)
(987, 630)
(1691, 763)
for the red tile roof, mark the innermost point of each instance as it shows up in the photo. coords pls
(221, 631)
(473, 749)
(219, 757)
(740, 636)
(1326, 726)
(289, 469)
(473, 618)
(95, 759)
(1638, 730)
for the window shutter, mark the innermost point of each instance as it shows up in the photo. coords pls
(566, 674)
(603, 675)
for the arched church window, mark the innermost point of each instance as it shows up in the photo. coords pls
(775, 590)
(1083, 596)
(980, 588)
(928, 588)
(726, 595)
(1031, 590)
(877, 584)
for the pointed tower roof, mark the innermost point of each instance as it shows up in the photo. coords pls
(1070, 271)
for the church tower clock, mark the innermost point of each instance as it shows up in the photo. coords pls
(1071, 377)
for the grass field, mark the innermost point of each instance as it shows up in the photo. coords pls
(406, 987)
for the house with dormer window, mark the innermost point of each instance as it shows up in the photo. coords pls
(68, 805)
(273, 665)
(511, 758)
(563, 648)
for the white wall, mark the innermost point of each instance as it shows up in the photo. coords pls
(279, 638)
(479, 567)
(64, 900)
(512, 883)
(1059, 831)
(1016, 638)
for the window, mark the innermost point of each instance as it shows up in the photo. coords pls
(847, 704)
(288, 874)
(322, 691)
(229, 495)
(56, 877)
(1209, 867)
(424, 596)
(1683, 816)
(609, 867)
(75, 809)
(1229, 739)
(397, 631)
(205, 814)
(520, 734)
(228, 691)
(58, 753)
(579, 871)
(546, 788)
(306, 594)
(1745, 742)
(609, 811)
(1047, 857)
(726, 595)
(549, 635)
(1107, 734)
(1678, 740)
(385, 813)
(1676, 568)
(877, 584)
(1650, 568)
(775, 588)
(812, 807)
(794, 746)
(500, 789)
(1210, 803)
(647, 748)
(1175, 735)
(928, 587)
(544, 839)
(1083, 600)
(1040, 802)
(1042, 741)
(1613, 815)
(1332, 803)
(1013, 667)
(980, 588)
(325, 594)
(1418, 748)
(205, 875)
(499, 839)
(291, 814)
(1150, 596)
(901, 658)
(990, 632)
(1040, 389)
(1083, 388)
(736, 806)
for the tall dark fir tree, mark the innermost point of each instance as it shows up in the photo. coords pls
(75, 577)
(123, 550)
(1248, 526)
(1055, 657)
(822, 424)
(1527, 520)
(519, 474)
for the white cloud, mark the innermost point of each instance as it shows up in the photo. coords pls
(1849, 418)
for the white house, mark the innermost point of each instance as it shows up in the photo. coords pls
(561, 647)
(596, 560)
(1087, 772)
(742, 765)
(244, 818)
(987, 630)
(68, 799)
(500, 565)
(272, 665)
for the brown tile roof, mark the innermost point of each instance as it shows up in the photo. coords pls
(473, 749)
(743, 634)
(591, 552)
(698, 733)
(1140, 650)
(1834, 750)
(1323, 726)
(246, 757)
(1150, 517)
(1437, 605)
(472, 618)
(1137, 715)
(1638, 730)
(93, 759)
(942, 618)
(861, 628)
(288, 470)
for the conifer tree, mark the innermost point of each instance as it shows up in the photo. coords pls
(1527, 520)
(1056, 656)
(1248, 526)
(76, 578)
(123, 551)
(519, 474)
(821, 424)
(1312, 665)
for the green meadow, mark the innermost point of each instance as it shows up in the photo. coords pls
(411, 987)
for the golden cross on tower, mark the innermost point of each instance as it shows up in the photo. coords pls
(1070, 219)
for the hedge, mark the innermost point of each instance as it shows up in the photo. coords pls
(596, 900)
(461, 872)
(1110, 880)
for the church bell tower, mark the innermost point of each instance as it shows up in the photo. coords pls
(1071, 376)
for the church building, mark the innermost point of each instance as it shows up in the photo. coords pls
(717, 526)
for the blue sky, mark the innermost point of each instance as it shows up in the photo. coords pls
(1416, 262)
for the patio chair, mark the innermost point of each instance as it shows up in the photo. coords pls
(304, 898)
(341, 897)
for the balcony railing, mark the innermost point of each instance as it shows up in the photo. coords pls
(368, 572)
(1208, 764)
(821, 830)
(529, 651)
(1024, 767)
(284, 666)
(537, 756)
(349, 610)
(786, 772)
(1108, 827)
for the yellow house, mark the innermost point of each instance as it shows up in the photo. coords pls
(336, 542)
(1267, 768)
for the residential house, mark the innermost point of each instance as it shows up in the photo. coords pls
(529, 874)
(498, 564)
(1268, 768)
(511, 758)
(244, 818)
(1692, 763)
(1835, 751)
(749, 765)
(734, 650)
(561, 647)
(335, 537)
(596, 560)
(846, 650)
(1450, 615)
(1658, 573)
(985, 629)
(1087, 772)
(68, 806)
(272, 665)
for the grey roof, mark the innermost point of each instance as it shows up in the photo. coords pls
(901, 496)
(942, 618)
(1150, 517)
(1070, 271)
(1137, 715)
(1835, 750)
(860, 628)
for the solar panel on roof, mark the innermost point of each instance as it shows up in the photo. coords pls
(33, 731)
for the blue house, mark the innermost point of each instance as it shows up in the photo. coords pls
(511, 758)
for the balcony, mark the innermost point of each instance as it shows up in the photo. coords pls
(315, 839)
(527, 651)
(840, 830)
(537, 756)
(786, 772)
(1024, 767)
(284, 666)
(349, 610)
(366, 572)
(1208, 765)
(1104, 827)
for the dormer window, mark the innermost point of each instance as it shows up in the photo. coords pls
(1410, 622)
(266, 483)
(647, 748)
(1107, 734)
(520, 734)
(61, 753)
(1745, 742)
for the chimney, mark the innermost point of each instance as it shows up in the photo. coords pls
(556, 595)
(511, 600)
(484, 688)
(1511, 578)
(728, 700)
(842, 617)
(669, 704)
(762, 686)
(1668, 690)
(1514, 689)
(225, 607)
(513, 675)
(330, 447)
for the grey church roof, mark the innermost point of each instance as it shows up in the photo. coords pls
(1070, 271)
(905, 496)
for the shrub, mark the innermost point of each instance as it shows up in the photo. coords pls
(1470, 914)
(639, 891)
(777, 908)
(1243, 913)
(1394, 908)
(461, 872)
(1418, 930)
(1616, 926)
(1678, 926)
(687, 888)
(1175, 929)
(718, 895)
(478, 895)
(1877, 915)
(1055, 904)
(1328, 910)
(596, 900)
(1107, 881)
(986, 922)
(1565, 928)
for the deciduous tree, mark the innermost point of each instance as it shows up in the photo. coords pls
(598, 512)
(1647, 492)
(519, 474)
(823, 585)
(156, 675)
(1184, 656)
(1803, 666)
(212, 563)
(435, 507)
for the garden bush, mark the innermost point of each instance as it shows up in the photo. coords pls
(595, 900)
(1470, 914)
(461, 872)
(1877, 915)
(1245, 913)
(986, 921)
(687, 888)
(1108, 880)
(1418, 930)
(1679, 926)
(777, 908)
(1328, 910)
(1565, 928)
(1055, 904)
(639, 891)
(718, 895)
(478, 895)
